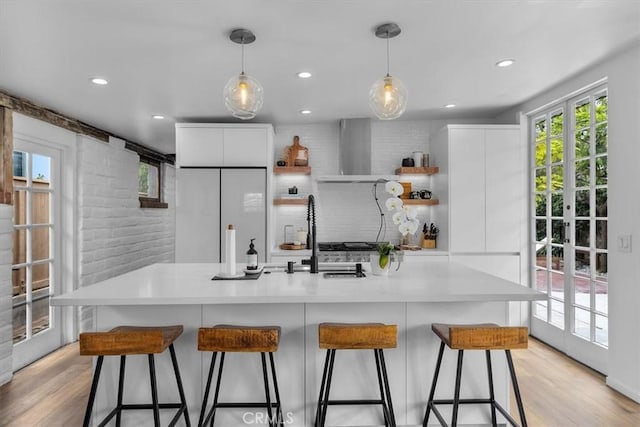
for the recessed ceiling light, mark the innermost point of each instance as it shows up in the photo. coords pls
(304, 74)
(505, 63)
(305, 111)
(158, 117)
(99, 81)
(450, 106)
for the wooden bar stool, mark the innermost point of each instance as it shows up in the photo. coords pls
(237, 339)
(484, 336)
(125, 341)
(356, 336)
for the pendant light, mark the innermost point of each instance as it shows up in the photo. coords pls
(243, 95)
(388, 96)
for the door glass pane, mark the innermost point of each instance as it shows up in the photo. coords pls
(557, 259)
(557, 123)
(601, 266)
(582, 173)
(557, 231)
(40, 297)
(602, 328)
(19, 246)
(601, 108)
(541, 230)
(557, 313)
(19, 168)
(582, 142)
(582, 203)
(582, 291)
(41, 168)
(557, 282)
(541, 278)
(602, 291)
(40, 204)
(601, 138)
(583, 263)
(557, 150)
(19, 207)
(541, 204)
(541, 153)
(40, 243)
(582, 114)
(557, 204)
(18, 280)
(601, 202)
(601, 234)
(601, 170)
(582, 323)
(540, 129)
(540, 310)
(557, 179)
(582, 233)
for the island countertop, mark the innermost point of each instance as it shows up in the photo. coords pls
(183, 284)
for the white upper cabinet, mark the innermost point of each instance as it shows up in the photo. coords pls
(483, 208)
(209, 144)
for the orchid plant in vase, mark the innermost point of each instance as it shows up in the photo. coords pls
(405, 217)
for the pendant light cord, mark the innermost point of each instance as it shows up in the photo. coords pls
(242, 55)
(388, 54)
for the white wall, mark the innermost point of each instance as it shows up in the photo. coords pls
(6, 328)
(622, 71)
(115, 234)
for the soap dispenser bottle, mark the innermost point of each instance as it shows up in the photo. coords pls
(252, 257)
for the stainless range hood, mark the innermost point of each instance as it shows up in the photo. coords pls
(354, 154)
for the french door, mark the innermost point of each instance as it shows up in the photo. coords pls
(569, 226)
(35, 275)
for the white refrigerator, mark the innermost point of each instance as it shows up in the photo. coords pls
(207, 200)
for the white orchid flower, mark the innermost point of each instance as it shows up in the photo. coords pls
(408, 226)
(394, 188)
(410, 211)
(398, 217)
(394, 203)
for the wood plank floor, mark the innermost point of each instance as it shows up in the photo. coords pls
(557, 391)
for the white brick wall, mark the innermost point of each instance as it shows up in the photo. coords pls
(6, 330)
(115, 234)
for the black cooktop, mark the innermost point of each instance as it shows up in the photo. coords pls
(347, 246)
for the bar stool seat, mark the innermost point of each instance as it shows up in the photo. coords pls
(482, 336)
(356, 336)
(241, 339)
(125, 341)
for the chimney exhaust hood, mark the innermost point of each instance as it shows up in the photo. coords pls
(354, 154)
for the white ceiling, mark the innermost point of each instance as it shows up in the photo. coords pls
(174, 57)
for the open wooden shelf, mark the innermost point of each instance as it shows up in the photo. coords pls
(424, 202)
(417, 170)
(293, 202)
(303, 170)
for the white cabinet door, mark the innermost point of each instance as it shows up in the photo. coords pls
(505, 189)
(199, 146)
(504, 266)
(245, 147)
(198, 215)
(467, 186)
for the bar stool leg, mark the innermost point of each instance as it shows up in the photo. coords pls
(516, 389)
(492, 396)
(123, 359)
(325, 401)
(325, 370)
(92, 393)
(205, 399)
(217, 391)
(183, 400)
(275, 388)
(456, 397)
(385, 409)
(388, 391)
(154, 391)
(433, 386)
(267, 394)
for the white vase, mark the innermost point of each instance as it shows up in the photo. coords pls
(375, 265)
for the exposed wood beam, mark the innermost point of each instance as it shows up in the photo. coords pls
(6, 156)
(31, 109)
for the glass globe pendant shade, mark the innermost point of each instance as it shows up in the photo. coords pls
(243, 96)
(388, 98)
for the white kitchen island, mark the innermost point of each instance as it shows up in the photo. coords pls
(413, 298)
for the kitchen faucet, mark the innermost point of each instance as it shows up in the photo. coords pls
(311, 234)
